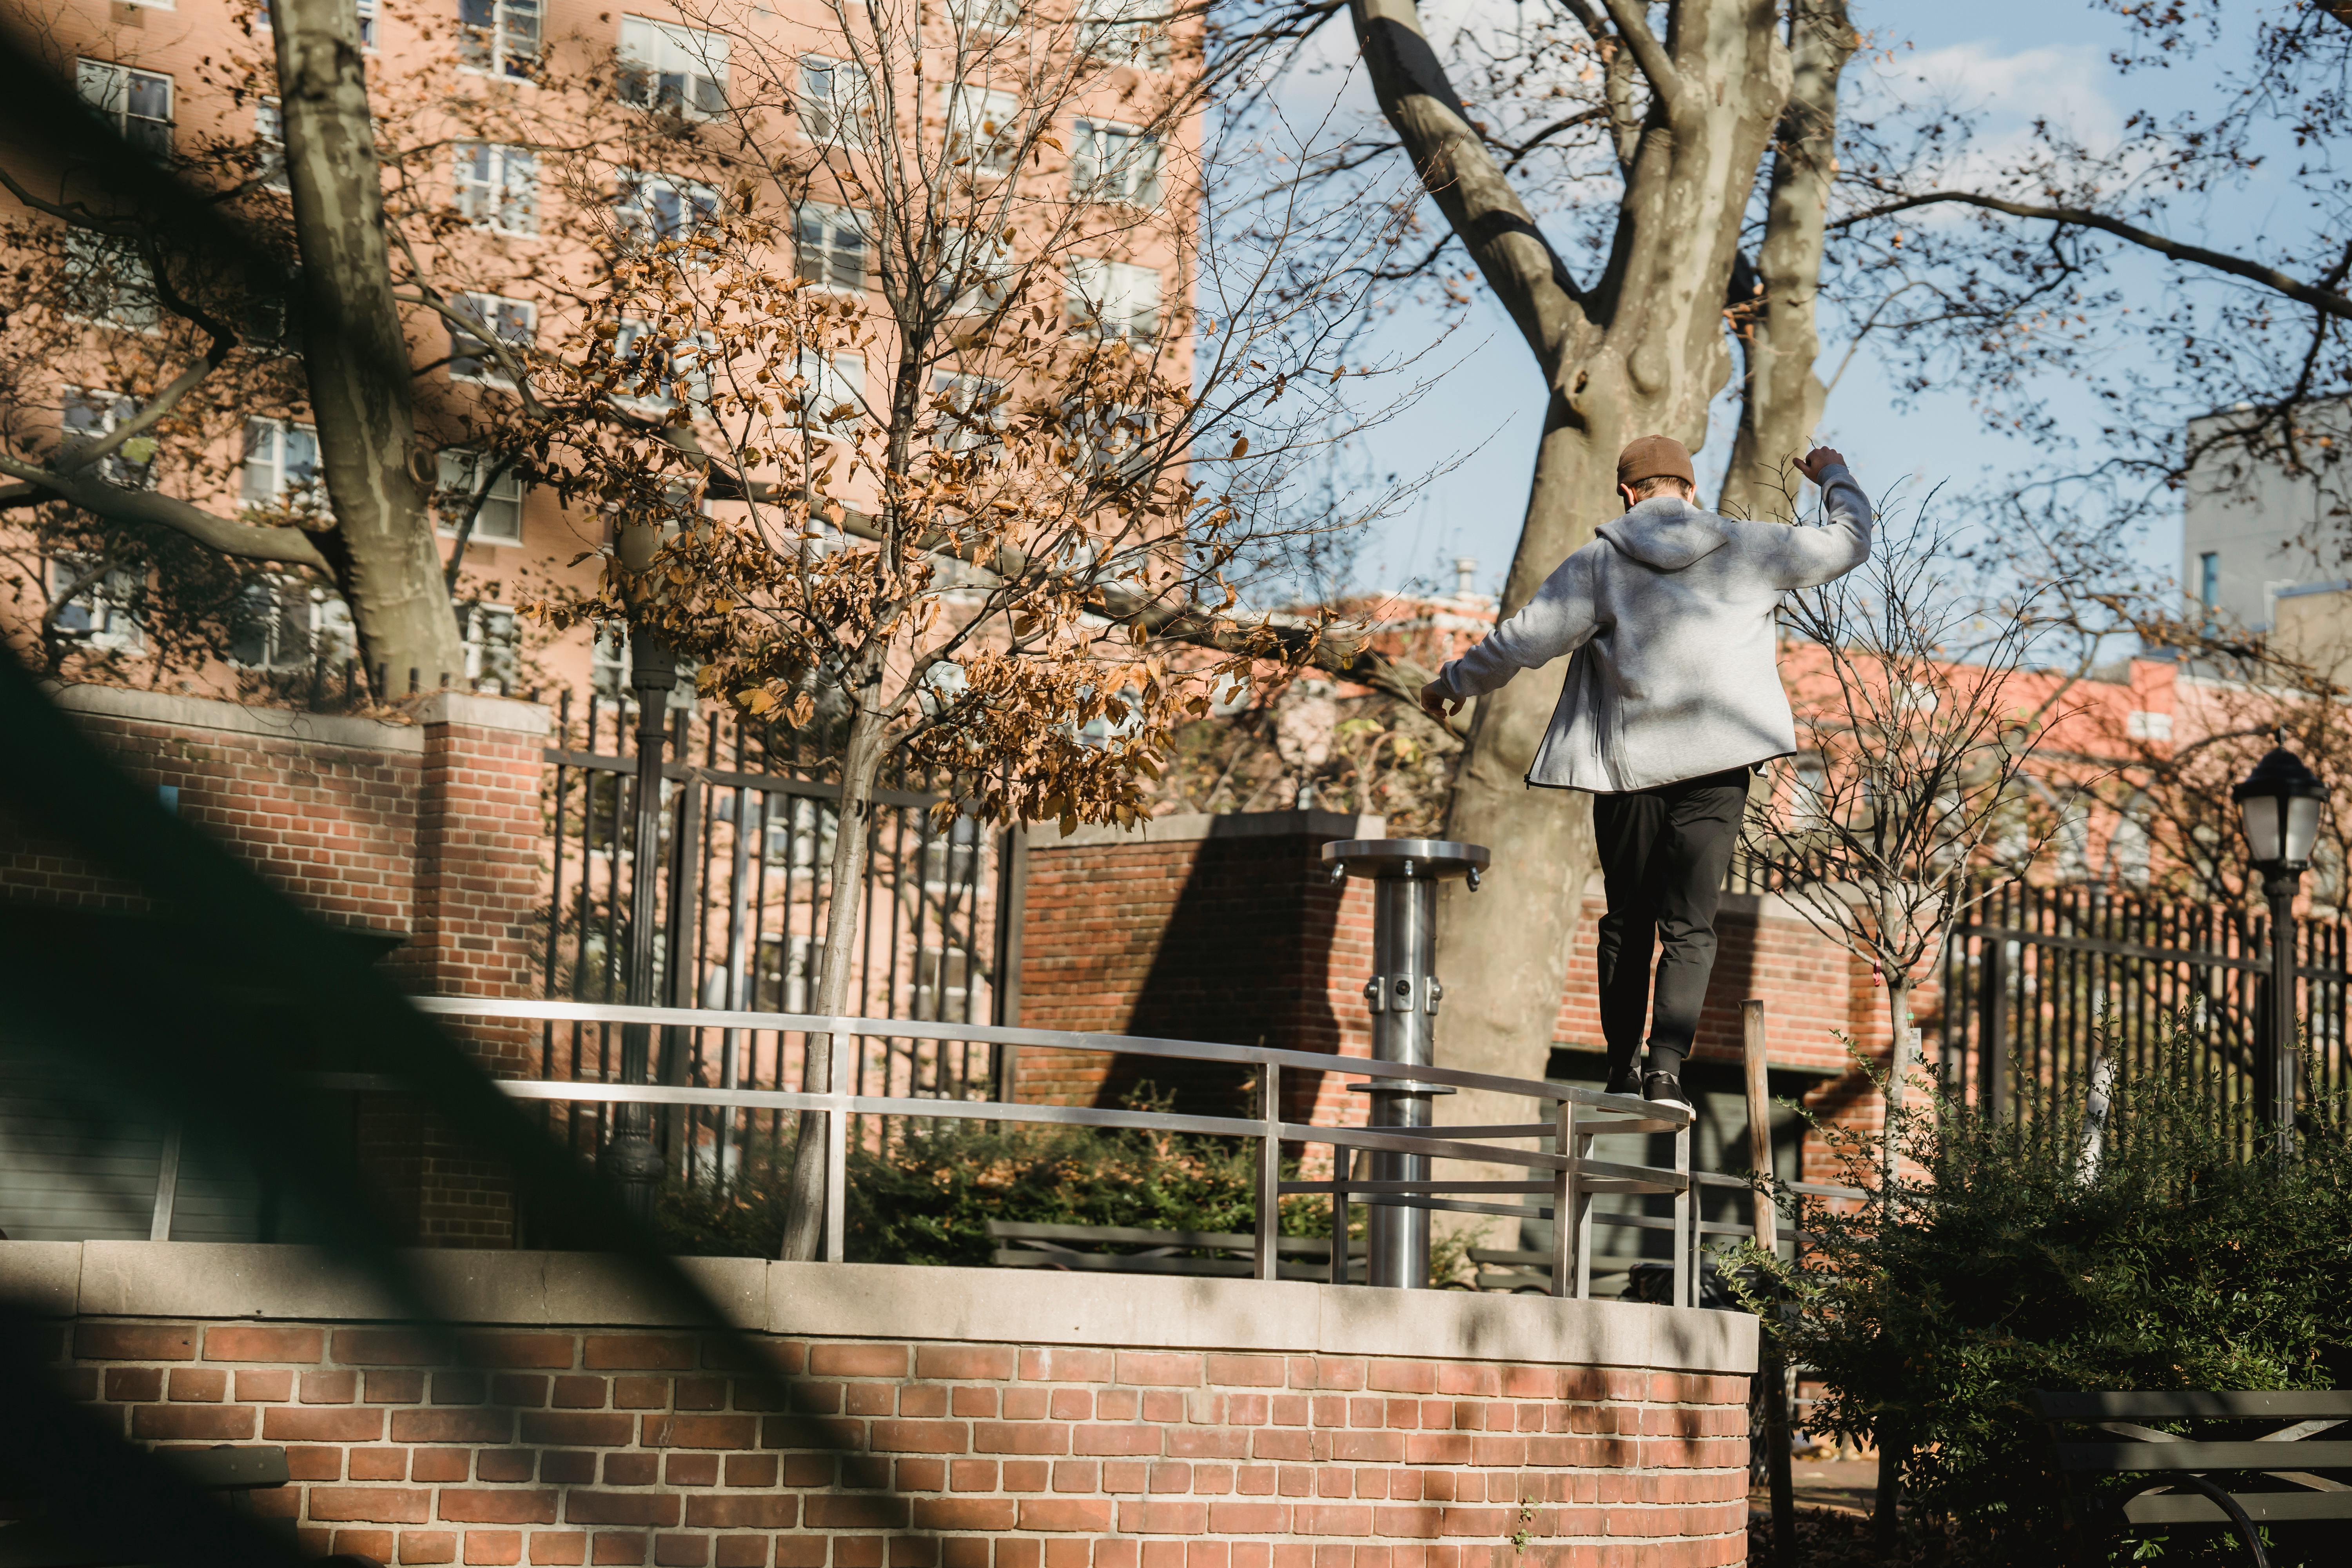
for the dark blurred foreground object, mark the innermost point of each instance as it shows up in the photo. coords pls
(1655, 1284)
(47, 1543)
(2175, 1467)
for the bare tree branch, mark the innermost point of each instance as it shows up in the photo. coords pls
(287, 546)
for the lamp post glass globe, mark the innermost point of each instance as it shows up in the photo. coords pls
(2278, 805)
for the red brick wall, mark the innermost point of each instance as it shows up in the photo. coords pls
(576, 1447)
(1226, 928)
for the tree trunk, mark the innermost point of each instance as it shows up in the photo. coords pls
(356, 354)
(1782, 395)
(1639, 352)
(852, 833)
(1899, 1067)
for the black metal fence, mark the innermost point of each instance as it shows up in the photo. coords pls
(748, 821)
(2037, 978)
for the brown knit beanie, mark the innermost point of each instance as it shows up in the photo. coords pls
(1653, 458)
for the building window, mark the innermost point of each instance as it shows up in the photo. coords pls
(976, 270)
(2208, 580)
(655, 367)
(982, 127)
(1112, 162)
(500, 520)
(1110, 439)
(664, 66)
(367, 11)
(281, 464)
(498, 37)
(972, 410)
(87, 415)
(1114, 300)
(608, 664)
(1123, 33)
(654, 207)
(497, 187)
(953, 860)
(987, 16)
(786, 966)
(100, 609)
(491, 647)
(832, 394)
(269, 145)
(107, 281)
(511, 321)
(837, 105)
(943, 985)
(137, 104)
(829, 246)
(276, 625)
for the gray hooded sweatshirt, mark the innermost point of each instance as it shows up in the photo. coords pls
(1670, 615)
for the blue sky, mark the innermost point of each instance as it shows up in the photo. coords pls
(2018, 58)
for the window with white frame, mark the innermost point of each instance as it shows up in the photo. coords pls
(1114, 162)
(271, 625)
(511, 321)
(1123, 32)
(799, 832)
(787, 966)
(608, 671)
(281, 465)
(97, 608)
(943, 985)
(269, 144)
(951, 860)
(1114, 299)
(657, 366)
(87, 413)
(497, 186)
(837, 102)
(108, 281)
(1110, 438)
(972, 412)
(833, 397)
(492, 648)
(499, 520)
(829, 246)
(498, 37)
(137, 104)
(983, 129)
(655, 207)
(664, 66)
(976, 270)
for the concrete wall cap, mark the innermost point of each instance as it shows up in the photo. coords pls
(1190, 826)
(235, 719)
(180, 1279)
(484, 712)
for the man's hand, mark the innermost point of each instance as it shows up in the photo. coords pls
(1811, 464)
(1437, 701)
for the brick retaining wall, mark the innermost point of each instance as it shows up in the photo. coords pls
(1128, 1423)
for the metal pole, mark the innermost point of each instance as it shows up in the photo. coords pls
(2278, 1110)
(1770, 1373)
(1404, 949)
(629, 1159)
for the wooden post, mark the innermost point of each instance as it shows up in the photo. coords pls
(1770, 1371)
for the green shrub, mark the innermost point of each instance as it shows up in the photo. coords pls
(1934, 1310)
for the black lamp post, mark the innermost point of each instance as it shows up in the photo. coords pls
(2279, 805)
(629, 1159)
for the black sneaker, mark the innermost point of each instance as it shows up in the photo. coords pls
(1665, 1088)
(1625, 1080)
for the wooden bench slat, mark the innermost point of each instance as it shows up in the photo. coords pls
(2174, 1405)
(2188, 1508)
(2126, 1457)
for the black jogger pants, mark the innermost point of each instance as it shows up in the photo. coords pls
(1664, 854)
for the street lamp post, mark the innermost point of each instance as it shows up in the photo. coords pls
(2278, 805)
(629, 1159)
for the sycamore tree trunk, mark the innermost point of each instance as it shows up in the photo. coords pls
(1781, 394)
(1641, 350)
(382, 547)
(861, 763)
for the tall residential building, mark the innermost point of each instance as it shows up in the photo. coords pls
(2254, 534)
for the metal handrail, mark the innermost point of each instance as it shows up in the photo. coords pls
(1581, 1114)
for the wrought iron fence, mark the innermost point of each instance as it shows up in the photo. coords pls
(746, 830)
(2037, 978)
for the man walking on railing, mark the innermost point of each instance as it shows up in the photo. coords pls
(1673, 700)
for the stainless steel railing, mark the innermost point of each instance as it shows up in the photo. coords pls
(1561, 1181)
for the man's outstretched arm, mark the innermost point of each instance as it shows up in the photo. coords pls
(1808, 557)
(1556, 621)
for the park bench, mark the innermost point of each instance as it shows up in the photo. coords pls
(39, 1543)
(2178, 1466)
(1064, 1247)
